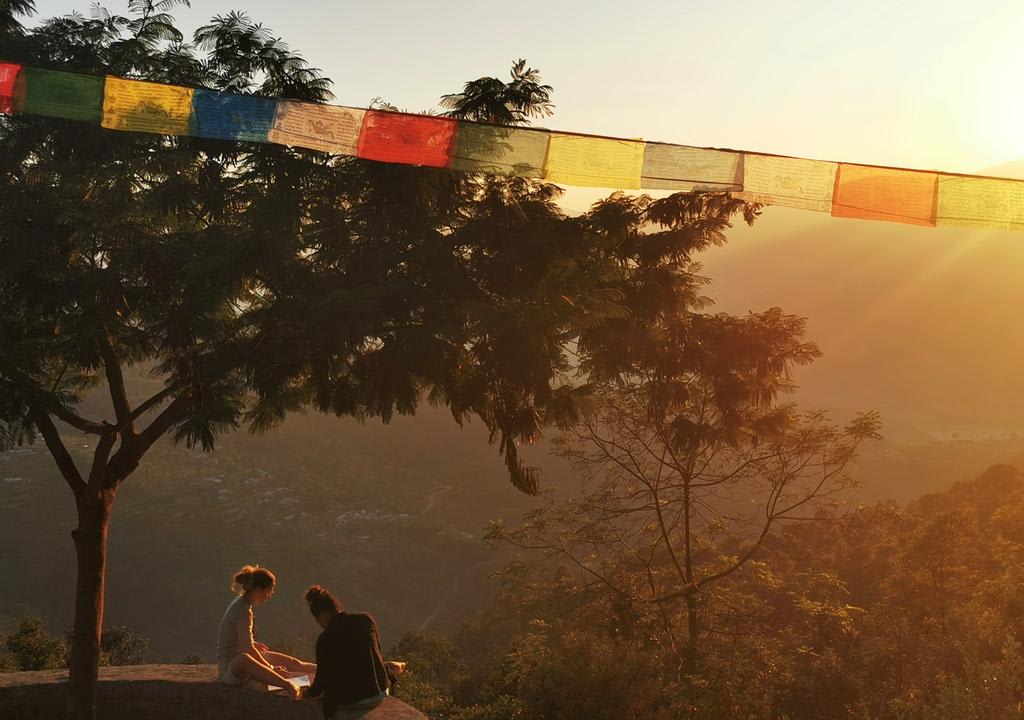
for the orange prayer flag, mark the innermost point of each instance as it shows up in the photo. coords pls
(874, 193)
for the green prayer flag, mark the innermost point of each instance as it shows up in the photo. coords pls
(499, 150)
(60, 94)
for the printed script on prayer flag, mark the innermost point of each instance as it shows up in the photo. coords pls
(872, 193)
(407, 139)
(138, 106)
(328, 128)
(594, 161)
(8, 74)
(786, 181)
(980, 202)
(226, 116)
(59, 94)
(682, 168)
(499, 150)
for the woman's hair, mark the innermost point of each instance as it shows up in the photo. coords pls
(320, 600)
(252, 577)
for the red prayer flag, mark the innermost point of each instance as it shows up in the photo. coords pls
(408, 139)
(8, 74)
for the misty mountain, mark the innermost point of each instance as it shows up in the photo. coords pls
(921, 324)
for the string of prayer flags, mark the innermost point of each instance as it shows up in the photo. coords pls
(845, 190)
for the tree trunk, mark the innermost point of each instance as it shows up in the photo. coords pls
(691, 633)
(91, 549)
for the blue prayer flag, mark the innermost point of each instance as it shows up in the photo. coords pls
(225, 116)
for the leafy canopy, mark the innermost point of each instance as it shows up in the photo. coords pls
(255, 280)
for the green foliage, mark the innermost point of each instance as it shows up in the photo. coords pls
(436, 671)
(120, 645)
(490, 100)
(32, 648)
(433, 658)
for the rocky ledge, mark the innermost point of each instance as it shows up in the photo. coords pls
(167, 692)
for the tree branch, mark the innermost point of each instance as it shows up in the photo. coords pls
(46, 403)
(115, 379)
(151, 403)
(133, 447)
(56, 447)
(76, 421)
(99, 461)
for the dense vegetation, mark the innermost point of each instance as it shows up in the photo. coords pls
(890, 613)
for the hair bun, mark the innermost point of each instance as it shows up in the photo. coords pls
(315, 592)
(252, 576)
(320, 600)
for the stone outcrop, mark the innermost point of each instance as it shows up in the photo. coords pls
(167, 692)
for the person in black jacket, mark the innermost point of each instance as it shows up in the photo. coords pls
(350, 670)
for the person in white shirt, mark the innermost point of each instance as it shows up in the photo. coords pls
(239, 657)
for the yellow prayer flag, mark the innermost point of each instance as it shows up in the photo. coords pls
(329, 128)
(980, 202)
(874, 193)
(789, 182)
(594, 162)
(683, 168)
(139, 106)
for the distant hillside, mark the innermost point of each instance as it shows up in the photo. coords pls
(387, 517)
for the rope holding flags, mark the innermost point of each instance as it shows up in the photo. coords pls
(847, 190)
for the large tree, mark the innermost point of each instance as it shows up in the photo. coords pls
(251, 280)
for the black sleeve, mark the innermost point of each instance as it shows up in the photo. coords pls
(376, 636)
(317, 686)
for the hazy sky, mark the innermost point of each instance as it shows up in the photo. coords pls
(930, 84)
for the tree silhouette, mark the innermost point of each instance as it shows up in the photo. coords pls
(253, 280)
